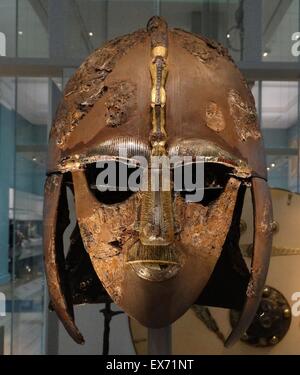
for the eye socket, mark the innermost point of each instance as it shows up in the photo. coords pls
(215, 180)
(116, 186)
(108, 176)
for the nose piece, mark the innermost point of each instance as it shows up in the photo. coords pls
(153, 235)
(157, 223)
(155, 257)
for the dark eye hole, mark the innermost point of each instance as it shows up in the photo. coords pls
(215, 180)
(108, 177)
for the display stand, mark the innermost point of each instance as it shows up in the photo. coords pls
(160, 341)
(108, 315)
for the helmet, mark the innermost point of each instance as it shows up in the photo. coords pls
(157, 92)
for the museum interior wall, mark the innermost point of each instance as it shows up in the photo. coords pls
(42, 43)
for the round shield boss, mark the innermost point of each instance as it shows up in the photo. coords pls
(271, 322)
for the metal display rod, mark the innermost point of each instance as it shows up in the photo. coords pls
(160, 341)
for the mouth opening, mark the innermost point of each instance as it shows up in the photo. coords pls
(154, 263)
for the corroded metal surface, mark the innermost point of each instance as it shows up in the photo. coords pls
(108, 233)
(54, 256)
(244, 117)
(204, 49)
(214, 117)
(263, 219)
(87, 85)
(120, 102)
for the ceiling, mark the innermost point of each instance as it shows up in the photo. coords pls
(33, 99)
(280, 21)
(279, 104)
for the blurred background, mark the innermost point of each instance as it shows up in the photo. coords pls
(42, 42)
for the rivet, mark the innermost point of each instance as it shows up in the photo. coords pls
(274, 340)
(286, 313)
(274, 227)
(266, 292)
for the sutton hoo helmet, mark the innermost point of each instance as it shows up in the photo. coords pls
(165, 93)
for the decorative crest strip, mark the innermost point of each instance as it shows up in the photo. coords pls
(158, 30)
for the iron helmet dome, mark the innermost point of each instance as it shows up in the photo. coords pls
(156, 91)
